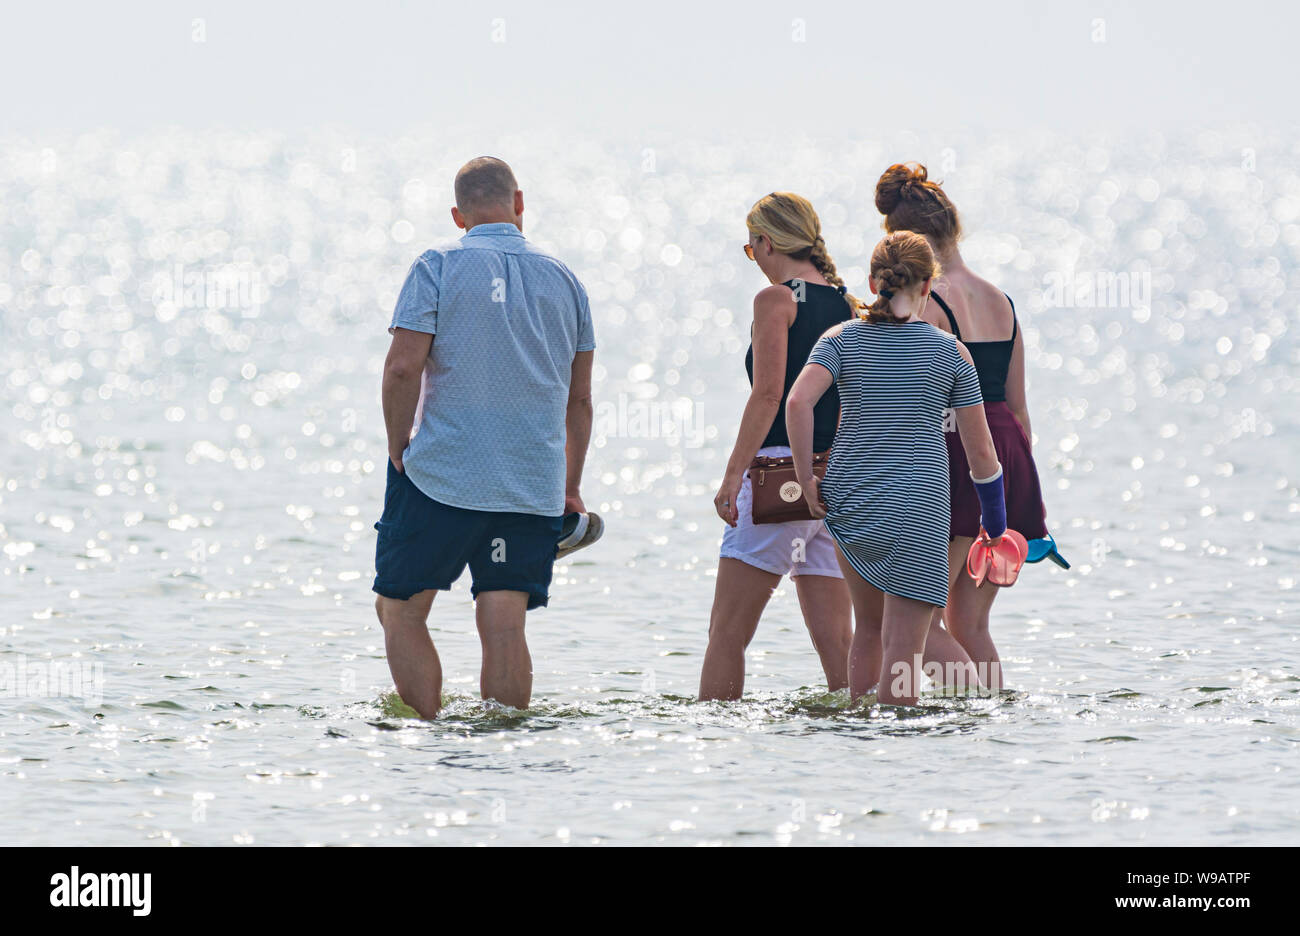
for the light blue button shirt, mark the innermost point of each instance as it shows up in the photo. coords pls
(507, 320)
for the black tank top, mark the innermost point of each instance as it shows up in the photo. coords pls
(992, 358)
(822, 307)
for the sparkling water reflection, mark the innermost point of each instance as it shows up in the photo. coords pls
(192, 334)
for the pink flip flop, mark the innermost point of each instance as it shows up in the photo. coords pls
(998, 564)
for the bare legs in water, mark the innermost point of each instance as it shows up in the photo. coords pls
(740, 595)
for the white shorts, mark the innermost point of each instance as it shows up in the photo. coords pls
(799, 547)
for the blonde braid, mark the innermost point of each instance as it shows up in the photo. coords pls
(821, 259)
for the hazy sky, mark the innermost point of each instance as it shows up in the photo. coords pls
(664, 66)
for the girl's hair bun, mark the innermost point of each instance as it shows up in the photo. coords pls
(900, 261)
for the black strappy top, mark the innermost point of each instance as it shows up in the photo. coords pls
(992, 358)
(822, 307)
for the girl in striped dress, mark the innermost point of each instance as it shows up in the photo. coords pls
(886, 500)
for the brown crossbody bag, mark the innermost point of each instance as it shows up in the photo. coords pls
(777, 494)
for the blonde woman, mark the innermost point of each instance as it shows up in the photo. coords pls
(805, 298)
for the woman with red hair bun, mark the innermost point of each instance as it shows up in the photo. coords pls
(983, 318)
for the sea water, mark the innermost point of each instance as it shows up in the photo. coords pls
(193, 460)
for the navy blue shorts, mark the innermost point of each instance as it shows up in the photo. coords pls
(426, 544)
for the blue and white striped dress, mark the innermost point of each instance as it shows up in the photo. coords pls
(886, 485)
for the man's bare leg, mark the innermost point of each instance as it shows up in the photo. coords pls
(412, 659)
(507, 673)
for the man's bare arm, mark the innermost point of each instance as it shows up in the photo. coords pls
(577, 424)
(403, 372)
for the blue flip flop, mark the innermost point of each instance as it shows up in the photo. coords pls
(1045, 548)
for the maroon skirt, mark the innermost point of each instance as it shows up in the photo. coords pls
(1019, 479)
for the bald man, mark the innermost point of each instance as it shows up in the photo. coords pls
(490, 363)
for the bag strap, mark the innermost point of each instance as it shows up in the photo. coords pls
(768, 462)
